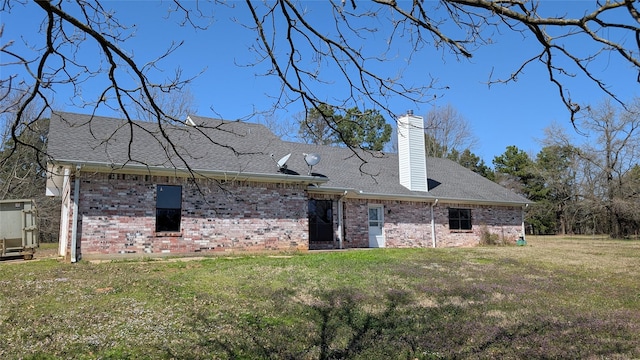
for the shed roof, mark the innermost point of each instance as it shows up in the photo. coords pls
(232, 147)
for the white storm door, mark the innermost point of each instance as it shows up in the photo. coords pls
(376, 233)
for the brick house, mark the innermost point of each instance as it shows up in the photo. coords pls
(221, 186)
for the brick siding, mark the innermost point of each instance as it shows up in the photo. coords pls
(408, 224)
(117, 216)
(505, 222)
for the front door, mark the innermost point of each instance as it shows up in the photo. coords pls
(376, 221)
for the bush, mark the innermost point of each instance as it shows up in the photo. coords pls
(489, 238)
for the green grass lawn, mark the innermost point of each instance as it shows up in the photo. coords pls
(554, 298)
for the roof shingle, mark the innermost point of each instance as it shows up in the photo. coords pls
(233, 146)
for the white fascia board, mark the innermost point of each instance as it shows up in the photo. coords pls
(482, 202)
(358, 194)
(197, 173)
(398, 197)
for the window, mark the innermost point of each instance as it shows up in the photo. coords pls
(168, 208)
(459, 219)
(375, 216)
(320, 220)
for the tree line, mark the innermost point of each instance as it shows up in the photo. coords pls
(588, 183)
(581, 182)
(584, 184)
(296, 50)
(577, 187)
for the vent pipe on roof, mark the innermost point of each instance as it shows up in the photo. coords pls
(190, 122)
(412, 157)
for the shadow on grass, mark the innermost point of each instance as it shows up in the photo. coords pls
(336, 325)
(342, 324)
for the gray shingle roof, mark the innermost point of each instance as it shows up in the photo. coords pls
(217, 145)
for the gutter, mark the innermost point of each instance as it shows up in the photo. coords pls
(197, 173)
(305, 179)
(354, 193)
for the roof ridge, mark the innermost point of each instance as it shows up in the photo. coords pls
(253, 148)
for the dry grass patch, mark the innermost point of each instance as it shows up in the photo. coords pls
(554, 298)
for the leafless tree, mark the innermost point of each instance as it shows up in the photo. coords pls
(448, 130)
(285, 129)
(606, 167)
(296, 50)
(176, 104)
(614, 152)
(23, 171)
(628, 203)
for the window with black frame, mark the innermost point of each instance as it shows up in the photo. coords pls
(320, 220)
(168, 208)
(459, 219)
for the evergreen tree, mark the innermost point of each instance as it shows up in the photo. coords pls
(319, 126)
(358, 129)
(367, 130)
(472, 162)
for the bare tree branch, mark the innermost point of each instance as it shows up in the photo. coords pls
(297, 49)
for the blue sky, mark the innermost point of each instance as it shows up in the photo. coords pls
(503, 115)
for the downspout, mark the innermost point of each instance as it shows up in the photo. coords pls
(341, 220)
(522, 212)
(433, 224)
(74, 229)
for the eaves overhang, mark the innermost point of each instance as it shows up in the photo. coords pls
(225, 175)
(427, 198)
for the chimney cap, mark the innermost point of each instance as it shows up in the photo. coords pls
(409, 112)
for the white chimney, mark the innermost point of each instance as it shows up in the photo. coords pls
(411, 152)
